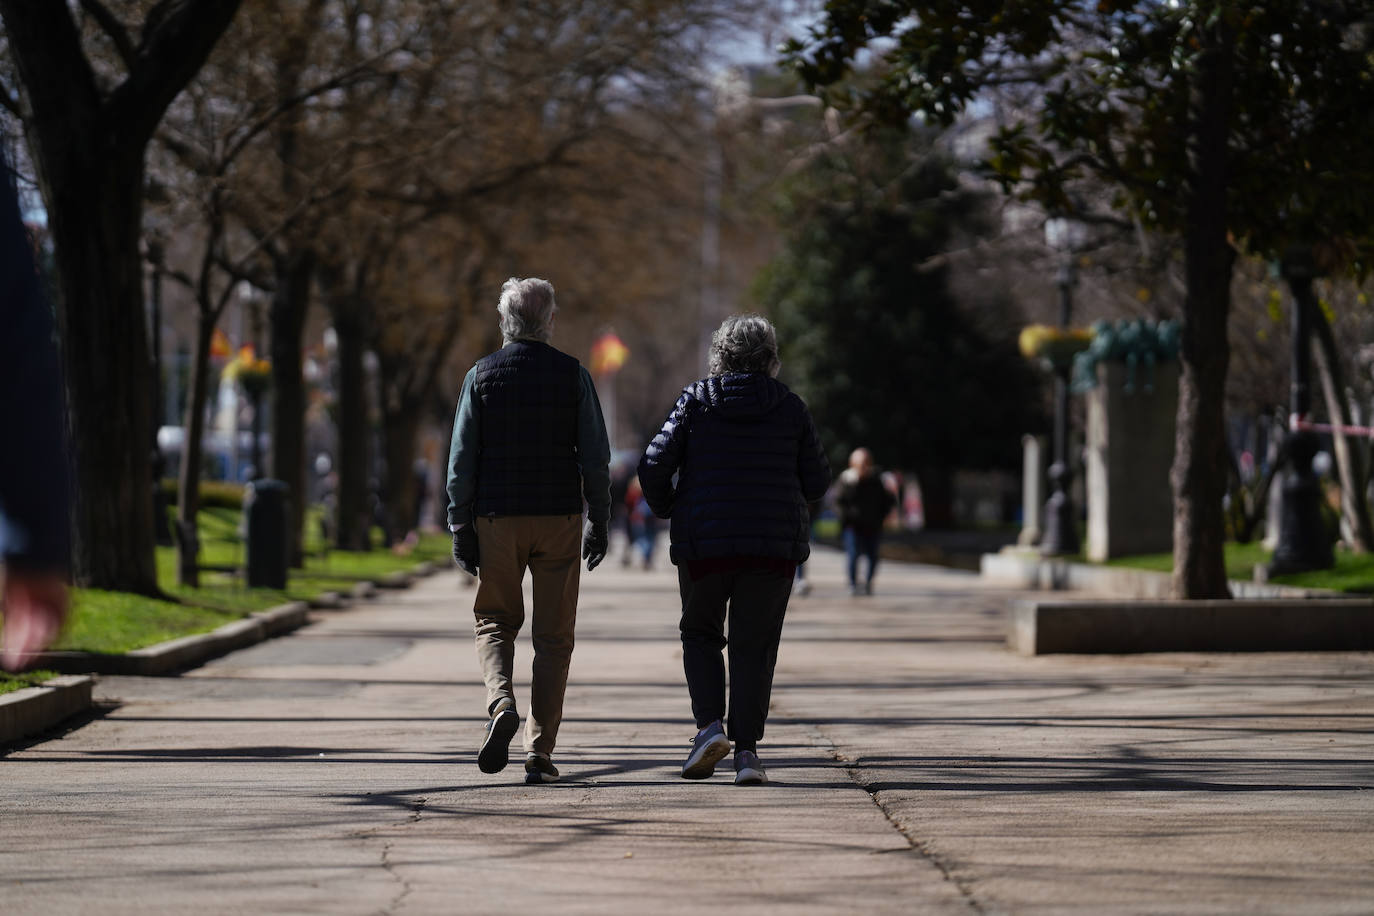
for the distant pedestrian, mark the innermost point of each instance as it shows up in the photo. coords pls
(35, 537)
(529, 445)
(735, 467)
(864, 503)
(643, 526)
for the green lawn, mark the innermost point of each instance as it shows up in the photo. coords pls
(1352, 573)
(11, 682)
(115, 622)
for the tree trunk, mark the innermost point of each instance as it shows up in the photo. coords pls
(354, 503)
(94, 212)
(1200, 466)
(1348, 463)
(88, 146)
(289, 306)
(400, 428)
(188, 480)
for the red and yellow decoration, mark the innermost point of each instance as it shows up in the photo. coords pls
(252, 374)
(608, 354)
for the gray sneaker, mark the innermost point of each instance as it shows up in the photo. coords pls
(539, 769)
(709, 747)
(495, 752)
(748, 770)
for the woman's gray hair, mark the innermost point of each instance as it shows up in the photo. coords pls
(527, 309)
(744, 343)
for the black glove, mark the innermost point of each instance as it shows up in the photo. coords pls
(465, 549)
(595, 541)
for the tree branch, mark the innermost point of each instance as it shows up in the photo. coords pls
(109, 23)
(178, 36)
(58, 78)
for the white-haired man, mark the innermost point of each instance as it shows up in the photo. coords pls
(529, 446)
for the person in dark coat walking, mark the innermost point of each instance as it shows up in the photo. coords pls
(748, 466)
(35, 533)
(864, 503)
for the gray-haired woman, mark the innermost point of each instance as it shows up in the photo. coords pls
(748, 462)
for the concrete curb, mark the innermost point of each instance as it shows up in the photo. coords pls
(185, 652)
(36, 709)
(1024, 569)
(1236, 625)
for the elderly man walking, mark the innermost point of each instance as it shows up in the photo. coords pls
(529, 445)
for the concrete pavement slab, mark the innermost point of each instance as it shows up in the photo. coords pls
(918, 767)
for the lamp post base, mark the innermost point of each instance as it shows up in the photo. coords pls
(1304, 543)
(1061, 533)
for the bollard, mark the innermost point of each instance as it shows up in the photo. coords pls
(266, 511)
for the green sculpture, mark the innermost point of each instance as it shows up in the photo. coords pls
(1143, 342)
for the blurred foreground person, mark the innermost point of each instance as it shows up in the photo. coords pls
(864, 503)
(748, 463)
(34, 522)
(529, 444)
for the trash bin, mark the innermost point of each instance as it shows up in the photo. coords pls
(265, 513)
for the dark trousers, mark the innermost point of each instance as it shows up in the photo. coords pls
(754, 603)
(857, 544)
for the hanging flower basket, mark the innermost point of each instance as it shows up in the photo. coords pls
(1056, 347)
(253, 375)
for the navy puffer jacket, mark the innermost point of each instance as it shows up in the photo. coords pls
(747, 460)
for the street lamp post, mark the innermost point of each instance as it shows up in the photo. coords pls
(1067, 236)
(1302, 544)
(162, 530)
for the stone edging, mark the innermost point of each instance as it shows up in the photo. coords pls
(35, 709)
(1087, 625)
(1025, 569)
(183, 652)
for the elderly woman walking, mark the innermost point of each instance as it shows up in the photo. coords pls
(747, 463)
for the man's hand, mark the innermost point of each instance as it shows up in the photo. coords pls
(35, 604)
(465, 552)
(595, 541)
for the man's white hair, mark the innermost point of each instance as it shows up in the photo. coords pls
(527, 308)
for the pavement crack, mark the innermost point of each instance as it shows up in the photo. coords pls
(851, 769)
(389, 866)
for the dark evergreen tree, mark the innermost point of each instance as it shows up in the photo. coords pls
(871, 335)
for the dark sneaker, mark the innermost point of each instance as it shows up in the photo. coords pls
(709, 747)
(539, 768)
(748, 770)
(495, 752)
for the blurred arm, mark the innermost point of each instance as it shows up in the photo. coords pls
(593, 452)
(462, 456)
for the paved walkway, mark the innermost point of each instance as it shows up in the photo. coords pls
(918, 767)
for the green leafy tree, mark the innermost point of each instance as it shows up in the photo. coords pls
(872, 337)
(1231, 124)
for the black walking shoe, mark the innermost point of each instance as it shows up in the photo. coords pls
(748, 770)
(495, 752)
(709, 747)
(539, 768)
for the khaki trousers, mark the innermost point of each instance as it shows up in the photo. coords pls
(549, 546)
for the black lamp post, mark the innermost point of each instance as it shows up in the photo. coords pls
(1303, 543)
(1068, 236)
(162, 530)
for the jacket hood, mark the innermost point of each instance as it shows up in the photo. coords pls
(739, 396)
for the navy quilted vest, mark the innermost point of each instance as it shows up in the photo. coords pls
(527, 404)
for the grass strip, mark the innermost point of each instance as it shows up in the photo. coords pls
(1353, 573)
(112, 623)
(10, 682)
